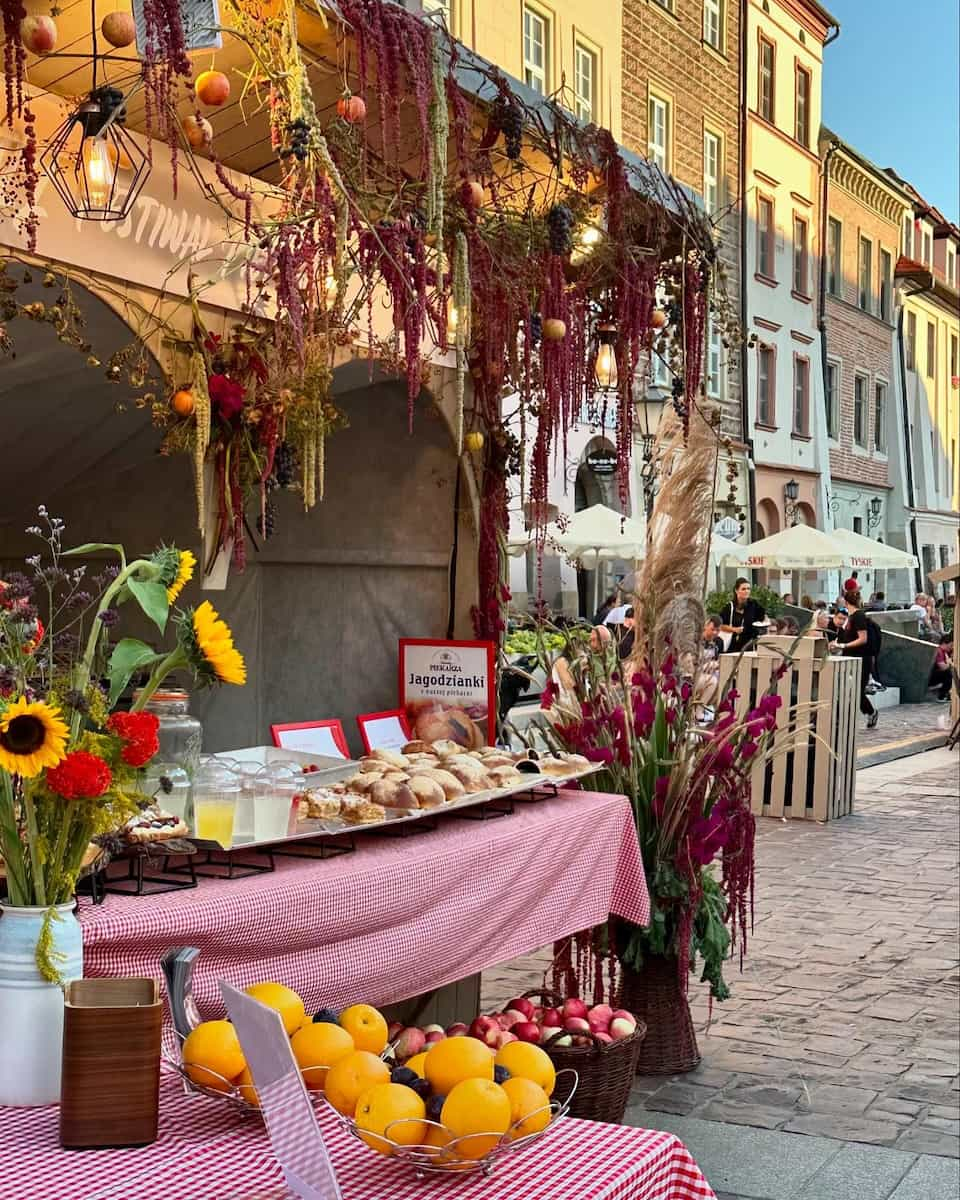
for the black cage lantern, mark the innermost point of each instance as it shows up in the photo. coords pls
(94, 163)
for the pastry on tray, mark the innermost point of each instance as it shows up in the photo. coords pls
(319, 805)
(416, 747)
(390, 757)
(358, 810)
(154, 825)
(506, 776)
(393, 794)
(453, 789)
(428, 792)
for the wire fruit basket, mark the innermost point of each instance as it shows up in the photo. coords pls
(453, 1155)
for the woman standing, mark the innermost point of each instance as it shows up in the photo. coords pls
(740, 617)
(854, 638)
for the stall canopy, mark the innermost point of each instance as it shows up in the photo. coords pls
(799, 548)
(595, 534)
(725, 553)
(873, 555)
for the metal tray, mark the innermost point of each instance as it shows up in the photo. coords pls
(317, 828)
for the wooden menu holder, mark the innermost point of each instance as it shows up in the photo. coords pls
(111, 1063)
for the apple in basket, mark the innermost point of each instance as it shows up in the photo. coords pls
(410, 1042)
(548, 1031)
(600, 1017)
(576, 1025)
(526, 1031)
(552, 1016)
(573, 1007)
(622, 1025)
(486, 1030)
(433, 1033)
(523, 1005)
(458, 1030)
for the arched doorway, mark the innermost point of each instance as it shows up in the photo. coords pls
(590, 488)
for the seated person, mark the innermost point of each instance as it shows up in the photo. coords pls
(711, 647)
(941, 673)
(837, 622)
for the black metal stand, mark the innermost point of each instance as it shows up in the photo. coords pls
(137, 881)
(407, 828)
(488, 811)
(320, 847)
(225, 866)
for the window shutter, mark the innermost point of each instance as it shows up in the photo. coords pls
(201, 19)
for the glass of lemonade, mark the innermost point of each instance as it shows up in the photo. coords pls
(216, 793)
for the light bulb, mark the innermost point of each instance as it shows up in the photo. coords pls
(330, 290)
(453, 316)
(606, 368)
(98, 171)
(589, 236)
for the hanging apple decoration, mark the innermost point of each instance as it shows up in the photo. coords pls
(212, 88)
(352, 109)
(38, 34)
(198, 131)
(472, 193)
(473, 441)
(554, 330)
(658, 318)
(118, 29)
(183, 403)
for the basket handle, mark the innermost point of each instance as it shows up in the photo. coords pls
(549, 998)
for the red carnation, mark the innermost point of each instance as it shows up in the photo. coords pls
(79, 776)
(227, 395)
(138, 731)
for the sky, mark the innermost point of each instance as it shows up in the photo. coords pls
(891, 89)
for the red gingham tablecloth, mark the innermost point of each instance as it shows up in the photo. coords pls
(398, 917)
(207, 1151)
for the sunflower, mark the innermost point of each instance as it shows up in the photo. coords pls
(185, 564)
(32, 737)
(208, 645)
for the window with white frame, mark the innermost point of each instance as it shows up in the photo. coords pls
(834, 261)
(800, 256)
(765, 238)
(911, 341)
(658, 131)
(712, 171)
(765, 81)
(865, 272)
(713, 23)
(766, 382)
(585, 83)
(931, 349)
(831, 397)
(801, 115)
(908, 235)
(714, 370)
(860, 410)
(801, 396)
(880, 417)
(536, 42)
(886, 285)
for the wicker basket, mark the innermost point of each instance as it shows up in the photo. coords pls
(654, 995)
(605, 1070)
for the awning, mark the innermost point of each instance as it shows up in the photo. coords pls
(594, 534)
(799, 548)
(870, 554)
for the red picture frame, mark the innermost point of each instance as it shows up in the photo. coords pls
(335, 727)
(440, 644)
(363, 718)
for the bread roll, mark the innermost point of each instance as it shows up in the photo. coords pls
(444, 747)
(453, 789)
(371, 764)
(428, 791)
(506, 776)
(416, 747)
(393, 795)
(390, 756)
(473, 781)
(360, 784)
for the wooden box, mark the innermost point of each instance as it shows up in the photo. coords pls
(111, 1063)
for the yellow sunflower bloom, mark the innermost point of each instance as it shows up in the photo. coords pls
(32, 737)
(185, 566)
(215, 644)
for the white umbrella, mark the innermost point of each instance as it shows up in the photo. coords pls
(598, 533)
(725, 553)
(799, 548)
(872, 555)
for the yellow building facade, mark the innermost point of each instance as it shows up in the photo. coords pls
(569, 49)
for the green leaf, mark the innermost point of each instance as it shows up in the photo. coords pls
(152, 598)
(90, 547)
(129, 655)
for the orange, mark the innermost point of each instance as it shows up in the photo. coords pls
(454, 1059)
(366, 1026)
(382, 1105)
(526, 1061)
(286, 1001)
(317, 1047)
(183, 403)
(348, 1079)
(529, 1107)
(246, 1088)
(212, 1055)
(478, 1112)
(416, 1063)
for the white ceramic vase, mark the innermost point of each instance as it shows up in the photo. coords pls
(31, 1009)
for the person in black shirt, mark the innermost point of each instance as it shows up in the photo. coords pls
(625, 648)
(740, 617)
(856, 642)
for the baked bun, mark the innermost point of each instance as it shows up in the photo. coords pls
(428, 791)
(360, 784)
(390, 757)
(506, 776)
(416, 747)
(369, 763)
(393, 795)
(451, 724)
(555, 766)
(445, 747)
(473, 781)
(452, 788)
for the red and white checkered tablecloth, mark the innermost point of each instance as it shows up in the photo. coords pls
(207, 1151)
(398, 917)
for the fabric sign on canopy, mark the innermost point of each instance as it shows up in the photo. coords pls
(867, 553)
(799, 548)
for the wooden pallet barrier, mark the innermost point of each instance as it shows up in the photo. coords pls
(812, 774)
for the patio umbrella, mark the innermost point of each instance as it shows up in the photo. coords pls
(725, 553)
(870, 554)
(599, 533)
(799, 548)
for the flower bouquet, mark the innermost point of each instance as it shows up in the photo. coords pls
(71, 763)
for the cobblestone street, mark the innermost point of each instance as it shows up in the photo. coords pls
(844, 1024)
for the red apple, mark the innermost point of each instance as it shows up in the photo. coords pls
(552, 1016)
(38, 34)
(507, 1020)
(622, 1014)
(576, 1025)
(603, 1037)
(435, 1035)
(486, 1030)
(394, 1029)
(597, 1025)
(523, 1005)
(574, 1008)
(458, 1030)
(472, 193)
(601, 1012)
(622, 1027)
(526, 1031)
(537, 1015)
(412, 1041)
